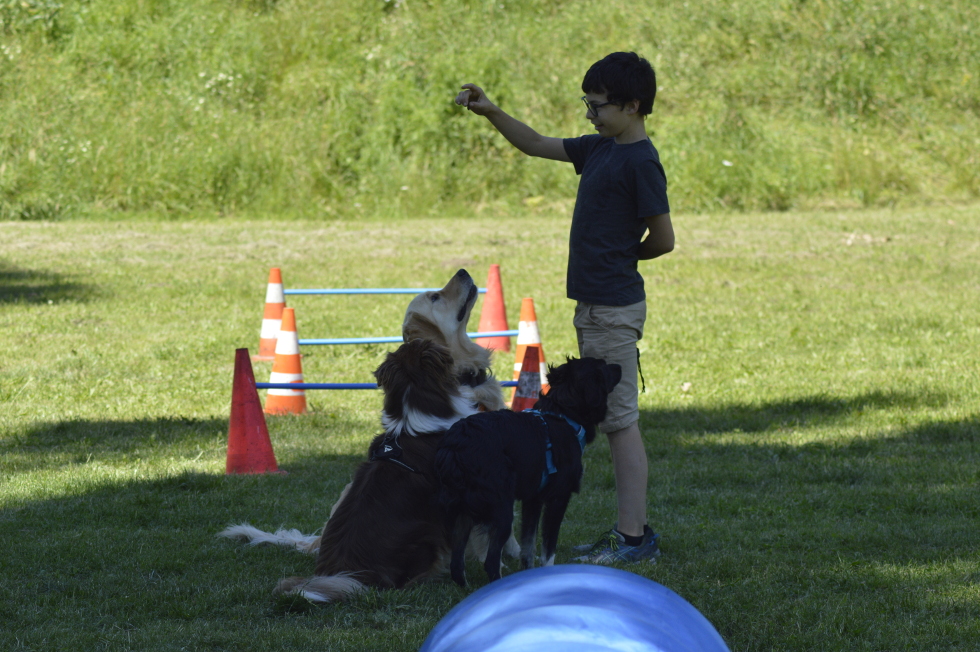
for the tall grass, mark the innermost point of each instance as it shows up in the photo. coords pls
(332, 108)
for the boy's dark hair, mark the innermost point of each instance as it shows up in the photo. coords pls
(623, 76)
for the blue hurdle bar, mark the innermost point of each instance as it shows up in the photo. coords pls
(398, 339)
(299, 386)
(371, 291)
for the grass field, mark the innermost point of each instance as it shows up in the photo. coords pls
(324, 109)
(812, 419)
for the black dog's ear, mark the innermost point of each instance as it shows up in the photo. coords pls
(558, 375)
(611, 374)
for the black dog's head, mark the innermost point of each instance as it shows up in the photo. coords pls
(579, 389)
(421, 392)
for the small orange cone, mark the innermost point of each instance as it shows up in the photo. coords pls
(286, 369)
(275, 301)
(529, 337)
(249, 448)
(493, 317)
(528, 389)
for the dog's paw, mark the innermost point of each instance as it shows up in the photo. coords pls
(512, 548)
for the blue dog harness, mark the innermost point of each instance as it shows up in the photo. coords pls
(548, 455)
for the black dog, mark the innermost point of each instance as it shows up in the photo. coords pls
(488, 460)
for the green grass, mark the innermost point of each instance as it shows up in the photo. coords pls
(344, 109)
(812, 420)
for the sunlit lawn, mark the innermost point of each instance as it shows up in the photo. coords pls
(812, 419)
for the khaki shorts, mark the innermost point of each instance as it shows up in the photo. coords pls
(611, 333)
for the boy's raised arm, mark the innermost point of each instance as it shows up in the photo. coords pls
(516, 132)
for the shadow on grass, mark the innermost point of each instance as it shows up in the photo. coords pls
(122, 499)
(81, 441)
(36, 286)
(146, 553)
(78, 441)
(813, 410)
(140, 551)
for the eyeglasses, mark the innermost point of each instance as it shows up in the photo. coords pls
(592, 107)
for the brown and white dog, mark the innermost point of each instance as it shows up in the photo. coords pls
(388, 531)
(385, 531)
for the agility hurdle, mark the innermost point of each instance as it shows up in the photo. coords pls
(275, 299)
(378, 340)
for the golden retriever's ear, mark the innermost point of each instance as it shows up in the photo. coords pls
(418, 327)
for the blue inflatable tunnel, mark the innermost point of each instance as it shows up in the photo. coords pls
(574, 608)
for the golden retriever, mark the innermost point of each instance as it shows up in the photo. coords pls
(441, 317)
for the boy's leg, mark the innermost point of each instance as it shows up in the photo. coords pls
(630, 467)
(611, 333)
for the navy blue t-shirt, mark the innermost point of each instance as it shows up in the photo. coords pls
(620, 186)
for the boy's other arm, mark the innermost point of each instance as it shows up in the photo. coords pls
(516, 132)
(660, 237)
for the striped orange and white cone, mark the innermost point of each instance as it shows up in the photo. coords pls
(286, 369)
(528, 389)
(529, 337)
(275, 302)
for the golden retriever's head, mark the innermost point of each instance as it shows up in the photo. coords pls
(442, 316)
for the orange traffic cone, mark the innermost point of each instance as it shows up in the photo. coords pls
(286, 369)
(249, 448)
(529, 337)
(528, 389)
(493, 317)
(275, 301)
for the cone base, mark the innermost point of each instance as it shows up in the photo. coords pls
(235, 467)
(285, 405)
(267, 349)
(520, 404)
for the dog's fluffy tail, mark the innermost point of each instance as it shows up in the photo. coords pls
(322, 588)
(308, 543)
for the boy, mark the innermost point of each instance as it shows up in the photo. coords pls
(621, 195)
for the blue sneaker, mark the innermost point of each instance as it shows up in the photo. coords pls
(612, 548)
